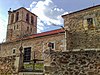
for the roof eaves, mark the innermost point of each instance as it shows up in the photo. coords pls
(81, 10)
(37, 35)
(25, 9)
(45, 33)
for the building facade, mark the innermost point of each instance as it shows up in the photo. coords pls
(21, 23)
(84, 26)
(82, 30)
(22, 31)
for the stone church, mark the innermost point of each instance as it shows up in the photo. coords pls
(22, 30)
(81, 31)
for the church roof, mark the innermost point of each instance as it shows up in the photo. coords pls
(52, 32)
(24, 9)
(45, 33)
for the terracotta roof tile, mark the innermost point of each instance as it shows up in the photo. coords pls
(37, 35)
(43, 34)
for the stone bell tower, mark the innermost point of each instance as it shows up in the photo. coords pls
(21, 23)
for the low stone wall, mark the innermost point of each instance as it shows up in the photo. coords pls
(74, 63)
(7, 65)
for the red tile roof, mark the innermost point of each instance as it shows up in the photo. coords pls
(40, 34)
(45, 33)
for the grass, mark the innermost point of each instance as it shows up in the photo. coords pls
(38, 66)
(28, 65)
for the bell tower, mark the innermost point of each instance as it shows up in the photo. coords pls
(21, 23)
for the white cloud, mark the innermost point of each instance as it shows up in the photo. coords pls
(65, 13)
(47, 12)
(2, 30)
(40, 26)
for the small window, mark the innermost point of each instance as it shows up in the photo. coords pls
(27, 28)
(13, 51)
(31, 29)
(32, 20)
(27, 17)
(17, 26)
(12, 18)
(17, 36)
(51, 45)
(90, 23)
(17, 16)
(14, 27)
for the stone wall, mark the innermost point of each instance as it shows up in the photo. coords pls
(74, 63)
(86, 40)
(77, 21)
(83, 36)
(38, 44)
(18, 29)
(7, 65)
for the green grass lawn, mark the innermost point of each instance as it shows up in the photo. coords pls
(38, 66)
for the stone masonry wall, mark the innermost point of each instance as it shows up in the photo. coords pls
(83, 36)
(86, 40)
(18, 29)
(7, 65)
(38, 45)
(74, 63)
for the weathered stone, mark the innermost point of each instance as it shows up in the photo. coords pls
(76, 66)
(91, 73)
(7, 67)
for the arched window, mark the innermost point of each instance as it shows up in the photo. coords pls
(32, 20)
(27, 17)
(14, 27)
(12, 18)
(17, 16)
(17, 26)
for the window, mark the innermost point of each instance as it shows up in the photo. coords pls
(17, 26)
(32, 20)
(14, 51)
(31, 29)
(14, 27)
(17, 36)
(27, 17)
(12, 18)
(27, 54)
(17, 16)
(27, 28)
(90, 23)
(51, 45)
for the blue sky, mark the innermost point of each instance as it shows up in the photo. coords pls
(48, 11)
